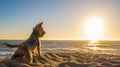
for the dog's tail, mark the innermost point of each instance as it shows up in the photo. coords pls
(10, 45)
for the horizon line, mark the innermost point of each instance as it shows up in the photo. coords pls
(69, 39)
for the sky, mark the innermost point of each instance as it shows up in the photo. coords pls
(63, 19)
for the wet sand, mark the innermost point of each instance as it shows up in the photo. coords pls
(67, 60)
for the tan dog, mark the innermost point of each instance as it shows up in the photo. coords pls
(26, 48)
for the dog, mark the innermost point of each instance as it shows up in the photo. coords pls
(26, 48)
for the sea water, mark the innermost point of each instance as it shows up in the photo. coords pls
(70, 46)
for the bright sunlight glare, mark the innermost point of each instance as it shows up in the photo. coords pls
(94, 28)
(93, 45)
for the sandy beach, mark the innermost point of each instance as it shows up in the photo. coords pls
(67, 60)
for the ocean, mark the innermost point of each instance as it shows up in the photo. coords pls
(70, 46)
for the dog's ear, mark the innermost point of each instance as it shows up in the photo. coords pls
(41, 22)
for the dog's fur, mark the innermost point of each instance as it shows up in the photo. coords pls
(26, 48)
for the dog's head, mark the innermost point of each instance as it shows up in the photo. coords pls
(39, 31)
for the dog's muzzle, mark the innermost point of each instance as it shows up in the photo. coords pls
(42, 33)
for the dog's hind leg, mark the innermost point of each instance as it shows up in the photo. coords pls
(29, 57)
(16, 54)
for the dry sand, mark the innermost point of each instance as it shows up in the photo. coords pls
(66, 60)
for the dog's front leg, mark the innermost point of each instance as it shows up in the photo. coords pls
(38, 49)
(29, 57)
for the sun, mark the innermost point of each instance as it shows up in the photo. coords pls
(94, 28)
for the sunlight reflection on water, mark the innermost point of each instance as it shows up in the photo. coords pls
(94, 47)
